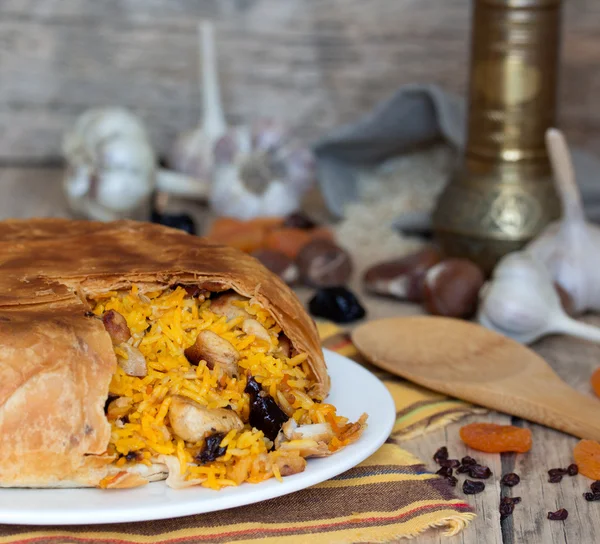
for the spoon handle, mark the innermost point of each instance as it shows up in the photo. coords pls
(581, 330)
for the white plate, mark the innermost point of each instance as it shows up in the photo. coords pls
(353, 391)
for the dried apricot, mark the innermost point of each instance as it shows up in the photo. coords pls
(595, 381)
(287, 240)
(587, 457)
(493, 438)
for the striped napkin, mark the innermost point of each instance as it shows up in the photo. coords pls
(387, 497)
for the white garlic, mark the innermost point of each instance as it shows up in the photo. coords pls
(570, 248)
(192, 153)
(521, 302)
(260, 171)
(111, 168)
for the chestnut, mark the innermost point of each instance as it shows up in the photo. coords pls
(323, 263)
(451, 288)
(279, 264)
(402, 278)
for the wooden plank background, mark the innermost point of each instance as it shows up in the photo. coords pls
(314, 63)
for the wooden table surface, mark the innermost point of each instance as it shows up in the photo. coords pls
(27, 192)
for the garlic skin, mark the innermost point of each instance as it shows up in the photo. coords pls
(570, 247)
(521, 302)
(260, 171)
(110, 165)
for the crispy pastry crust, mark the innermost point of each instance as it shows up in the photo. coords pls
(56, 363)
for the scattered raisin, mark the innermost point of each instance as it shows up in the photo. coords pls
(591, 496)
(452, 481)
(572, 469)
(555, 479)
(472, 488)
(507, 506)
(493, 438)
(468, 461)
(452, 463)
(462, 469)
(441, 455)
(557, 472)
(595, 487)
(480, 472)
(559, 515)
(446, 472)
(510, 480)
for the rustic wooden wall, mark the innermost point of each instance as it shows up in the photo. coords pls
(316, 63)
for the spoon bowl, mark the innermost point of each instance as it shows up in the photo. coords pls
(470, 362)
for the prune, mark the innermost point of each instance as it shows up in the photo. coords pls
(555, 479)
(467, 460)
(510, 480)
(446, 472)
(212, 449)
(441, 454)
(337, 304)
(463, 469)
(472, 488)
(180, 221)
(559, 515)
(507, 506)
(299, 220)
(572, 470)
(595, 487)
(480, 472)
(590, 497)
(557, 472)
(265, 415)
(587, 457)
(493, 438)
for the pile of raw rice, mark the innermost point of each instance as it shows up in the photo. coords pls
(162, 325)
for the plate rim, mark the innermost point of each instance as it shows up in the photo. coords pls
(171, 511)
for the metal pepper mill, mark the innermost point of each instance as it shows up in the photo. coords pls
(502, 193)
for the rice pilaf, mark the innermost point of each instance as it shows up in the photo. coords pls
(163, 325)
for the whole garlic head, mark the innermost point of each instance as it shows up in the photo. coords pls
(110, 165)
(260, 171)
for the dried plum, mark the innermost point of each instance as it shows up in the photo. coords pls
(181, 221)
(557, 472)
(338, 304)
(452, 463)
(265, 414)
(510, 480)
(441, 454)
(555, 479)
(467, 461)
(462, 469)
(591, 496)
(559, 515)
(572, 470)
(595, 487)
(212, 449)
(507, 506)
(472, 488)
(446, 472)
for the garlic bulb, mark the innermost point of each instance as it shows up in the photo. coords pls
(570, 248)
(192, 153)
(111, 169)
(260, 171)
(110, 172)
(521, 302)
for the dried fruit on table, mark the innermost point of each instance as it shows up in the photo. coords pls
(479, 472)
(595, 487)
(572, 470)
(441, 454)
(595, 381)
(493, 438)
(587, 457)
(507, 506)
(472, 488)
(510, 480)
(559, 515)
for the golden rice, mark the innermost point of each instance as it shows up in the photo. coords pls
(163, 324)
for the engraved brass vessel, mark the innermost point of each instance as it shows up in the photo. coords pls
(502, 193)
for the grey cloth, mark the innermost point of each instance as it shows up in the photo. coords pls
(415, 116)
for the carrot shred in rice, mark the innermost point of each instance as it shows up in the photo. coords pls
(163, 324)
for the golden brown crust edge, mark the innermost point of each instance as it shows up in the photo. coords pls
(47, 266)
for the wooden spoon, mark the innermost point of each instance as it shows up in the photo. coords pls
(470, 362)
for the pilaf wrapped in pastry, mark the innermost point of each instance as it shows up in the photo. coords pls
(131, 352)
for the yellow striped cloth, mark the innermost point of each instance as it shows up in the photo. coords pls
(389, 496)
